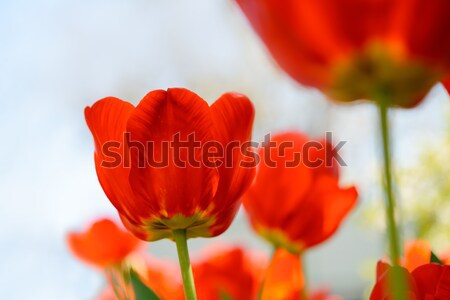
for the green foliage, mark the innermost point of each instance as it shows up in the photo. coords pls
(141, 291)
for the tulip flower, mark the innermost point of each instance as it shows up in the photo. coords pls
(284, 280)
(358, 49)
(173, 166)
(297, 205)
(228, 273)
(103, 244)
(107, 246)
(417, 253)
(427, 282)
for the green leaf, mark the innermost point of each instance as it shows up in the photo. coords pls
(141, 291)
(435, 259)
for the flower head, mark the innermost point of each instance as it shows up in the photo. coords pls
(160, 163)
(103, 244)
(229, 272)
(295, 201)
(358, 49)
(427, 282)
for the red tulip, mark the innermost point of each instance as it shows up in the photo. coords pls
(285, 280)
(157, 189)
(103, 244)
(297, 206)
(231, 273)
(427, 282)
(417, 253)
(358, 49)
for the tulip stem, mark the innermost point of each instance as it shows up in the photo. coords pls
(398, 282)
(180, 238)
(390, 201)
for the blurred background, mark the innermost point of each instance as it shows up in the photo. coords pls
(56, 57)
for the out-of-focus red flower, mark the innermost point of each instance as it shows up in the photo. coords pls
(427, 282)
(231, 273)
(297, 204)
(417, 253)
(185, 194)
(103, 244)
(285, 280)
(357, 49)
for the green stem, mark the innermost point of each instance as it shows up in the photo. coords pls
(394, 244)
(179, 236)
(398, 282)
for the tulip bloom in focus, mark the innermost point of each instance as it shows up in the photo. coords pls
(103, 245)
(427, 282)
(228, 274)
(358, 49)
(297, 206)
(154, 201)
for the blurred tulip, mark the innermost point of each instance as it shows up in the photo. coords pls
(417, 253)
(297, 206)
(228, 274)
(284, 279)
(357, 49)
(103, 244)
(427, 282)
(155, 201)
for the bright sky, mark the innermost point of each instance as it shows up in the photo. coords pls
(56, 57)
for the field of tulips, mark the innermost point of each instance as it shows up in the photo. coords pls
(340, 135)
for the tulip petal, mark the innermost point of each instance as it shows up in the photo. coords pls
(103, 244)
(277, 179)
(428, 278)
(232, 115)
(284, 278)
(323, 210)
(383, 287)
(107, 120)
(417, 253)
(179, 185)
